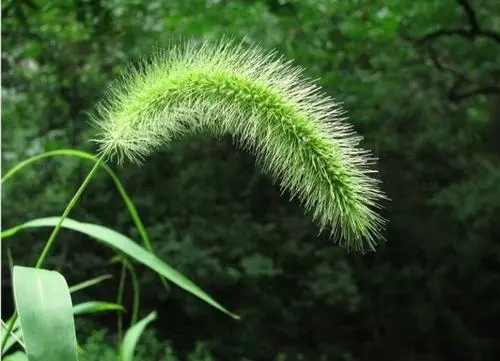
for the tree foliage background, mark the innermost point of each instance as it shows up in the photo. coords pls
(421, 81)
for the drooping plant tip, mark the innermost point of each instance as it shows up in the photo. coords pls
(298, 134)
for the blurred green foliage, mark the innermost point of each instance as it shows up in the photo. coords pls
(98, 347)
(419, 79)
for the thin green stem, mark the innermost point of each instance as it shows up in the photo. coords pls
(9, 328)
(119, 300)
(65, 214)
(90, 157)
(136, 290)
(48, 244)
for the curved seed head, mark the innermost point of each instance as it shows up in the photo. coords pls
(298, 133)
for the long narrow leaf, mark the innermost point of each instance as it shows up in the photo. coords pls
(127, 246)
(95, 306)
(119, 186)
(88, 283)
(45, 313)
(132, 336)
(89, 157)
(135, 285)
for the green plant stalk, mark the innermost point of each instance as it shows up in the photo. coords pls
(87, 156)
(15, 336)
(136, 291)
(53, 235)
(69, 207)
(127, 266)
(119, 300)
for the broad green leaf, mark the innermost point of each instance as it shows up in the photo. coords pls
(132, 336)
(13, 338)
(45, 313)
(127, 246)
(96, 306)
(80, 309)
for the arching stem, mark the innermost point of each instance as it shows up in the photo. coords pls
(53, 235)
(66, 212)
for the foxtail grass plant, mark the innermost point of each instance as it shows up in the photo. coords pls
(298, 134)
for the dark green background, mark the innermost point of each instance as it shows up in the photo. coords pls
(419, 79)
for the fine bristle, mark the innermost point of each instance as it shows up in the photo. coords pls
(297, 133)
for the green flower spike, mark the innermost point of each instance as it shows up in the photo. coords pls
(297, 133)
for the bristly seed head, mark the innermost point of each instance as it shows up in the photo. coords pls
(297, 132)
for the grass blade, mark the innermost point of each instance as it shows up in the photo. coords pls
(119, 186)
(89, 283)
(45, 313)
(132, 336)
(126, 245)
(96, 306)
(80, 309)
